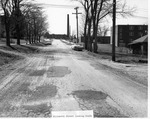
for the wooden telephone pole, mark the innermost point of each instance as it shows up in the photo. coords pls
(68, 26)
(76, 8)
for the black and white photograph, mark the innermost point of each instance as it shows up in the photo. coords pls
(74, 59)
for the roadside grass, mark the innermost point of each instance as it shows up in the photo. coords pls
(13, 56)
(122, 55)
(10, 54)
(6, 58)
(41, 44)
(12, 41)
(123, 58)
(20, 48)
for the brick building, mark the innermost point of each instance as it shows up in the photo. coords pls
(125, 34)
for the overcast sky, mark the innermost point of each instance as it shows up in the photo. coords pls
(57, 15)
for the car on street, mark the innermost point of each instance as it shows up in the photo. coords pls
(77, 47)
(47, 41)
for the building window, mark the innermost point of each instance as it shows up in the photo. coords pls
(131, 33)
(140, 28)
(121, 41)
(131, 27)
(145, 31)
(122, 44)
(120, 29)
(120, 35)
(130, 40)
(140, 34)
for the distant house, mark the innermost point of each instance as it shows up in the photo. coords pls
(140, 45)
(100, 39)
(125, 34)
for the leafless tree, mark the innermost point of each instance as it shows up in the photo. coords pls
(102, 31)
(35, 21)
(17, 18)
(7, 9)
(95, 11)
(23, 16)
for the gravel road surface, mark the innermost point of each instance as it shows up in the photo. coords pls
(60, 79)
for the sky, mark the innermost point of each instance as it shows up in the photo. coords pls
(57, 10)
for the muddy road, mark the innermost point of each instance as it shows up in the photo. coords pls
(60, 79)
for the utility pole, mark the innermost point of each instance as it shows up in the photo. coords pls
(114, 30)
(68, 26)
(76, 8)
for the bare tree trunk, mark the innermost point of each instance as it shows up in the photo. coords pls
(7, 28)
(17, 16)
(85, 34)
(96, 22)
(32, 38)
(39, 38)
(29, 34)
(18, 34)
(7, 35)
(95, 41)
(89, 35)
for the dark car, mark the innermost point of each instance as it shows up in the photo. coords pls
(47, 41)
(78, 47)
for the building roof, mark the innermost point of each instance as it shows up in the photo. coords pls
(140, 40)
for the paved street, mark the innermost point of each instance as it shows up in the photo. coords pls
(60, 79)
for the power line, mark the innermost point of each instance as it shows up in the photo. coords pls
(56, 5)
(146, 10)
(142, 17)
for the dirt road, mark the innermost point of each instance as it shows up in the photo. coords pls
(60, 79)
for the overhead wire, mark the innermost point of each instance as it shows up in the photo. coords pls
(58, 5)
(73, 6)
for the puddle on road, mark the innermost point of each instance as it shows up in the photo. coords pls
(37, 72)
(55, 71)
(24, 88)
(41, 109)
(37, 110)
(43, 92)
(90, 95)
(96, 101)
(24, 95)
(24, 70)
(40, 93)
(58, 71)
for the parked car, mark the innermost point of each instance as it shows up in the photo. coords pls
(77, 47)
(48, 41)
